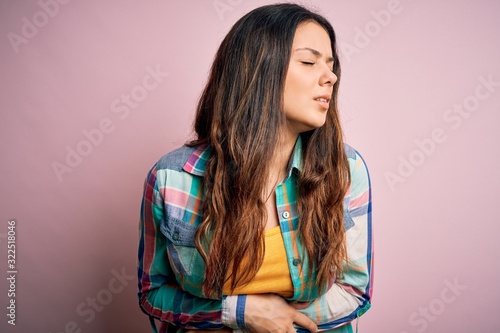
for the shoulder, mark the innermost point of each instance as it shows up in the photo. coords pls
(354, 158)
(170, 168)
(350, 151)
(360, 177)
(175, 159)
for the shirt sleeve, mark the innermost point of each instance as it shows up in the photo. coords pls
(160, 296)
(350, 296)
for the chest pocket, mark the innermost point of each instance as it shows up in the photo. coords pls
(182, 253)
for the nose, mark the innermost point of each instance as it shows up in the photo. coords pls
(328, 78)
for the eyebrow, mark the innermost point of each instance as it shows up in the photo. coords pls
(315, 52)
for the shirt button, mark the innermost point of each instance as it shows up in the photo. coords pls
(296, 262)
(285, 214)
(176, 236)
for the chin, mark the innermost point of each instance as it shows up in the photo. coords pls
(306, 125)
(317, 124)
(311, 127)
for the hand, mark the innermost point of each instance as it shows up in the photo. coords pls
(271, 313)
(299, 305)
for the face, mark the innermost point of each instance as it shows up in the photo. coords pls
(309, 80)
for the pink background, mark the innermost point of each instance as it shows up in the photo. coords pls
(405, 65)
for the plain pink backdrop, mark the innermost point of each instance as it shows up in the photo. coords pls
(407, 67)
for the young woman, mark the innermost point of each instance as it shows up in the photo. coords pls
(263, 222)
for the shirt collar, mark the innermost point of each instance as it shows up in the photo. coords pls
(296, 161)
(197, 162)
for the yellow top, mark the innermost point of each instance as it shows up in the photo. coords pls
(273, 276)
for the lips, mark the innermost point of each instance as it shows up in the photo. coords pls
(323, 100)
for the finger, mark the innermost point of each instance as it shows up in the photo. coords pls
(300, 305)
(304, 321)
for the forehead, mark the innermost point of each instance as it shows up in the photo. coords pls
(312, 35)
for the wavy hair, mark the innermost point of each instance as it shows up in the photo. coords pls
(240, 115)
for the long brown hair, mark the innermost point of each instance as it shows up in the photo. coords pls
(240, 115)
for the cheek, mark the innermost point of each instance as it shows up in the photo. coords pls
(297, 88)
(294, 78)
(291, 102)
(294, 99)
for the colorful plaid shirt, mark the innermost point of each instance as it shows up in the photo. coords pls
(171, 271)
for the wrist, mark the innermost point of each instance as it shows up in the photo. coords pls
(233, 311)
(240, 311)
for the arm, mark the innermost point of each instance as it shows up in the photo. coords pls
(159, 293)
(161, 297)
(350, 296)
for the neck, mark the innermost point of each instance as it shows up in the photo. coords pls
(281, 158)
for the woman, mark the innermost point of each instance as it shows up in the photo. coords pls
(263, 222)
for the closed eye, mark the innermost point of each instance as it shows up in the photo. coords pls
(307, 63)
